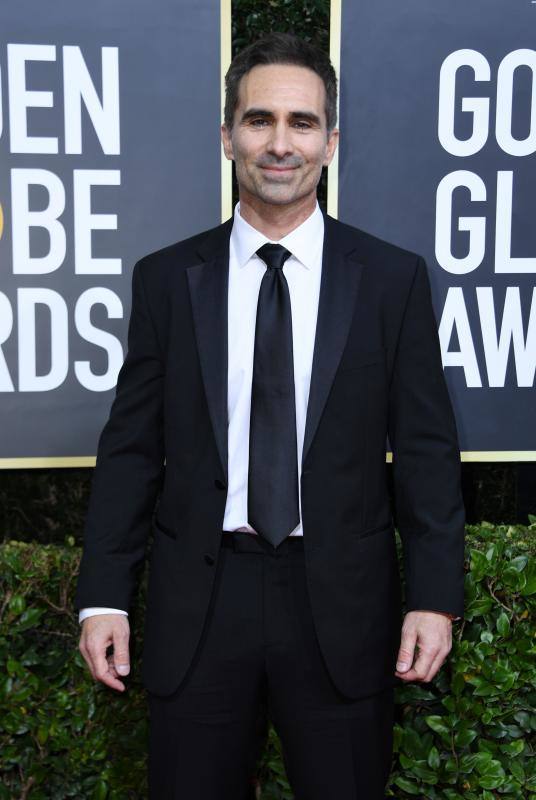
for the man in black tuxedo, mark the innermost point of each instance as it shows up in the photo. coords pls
(268, 360)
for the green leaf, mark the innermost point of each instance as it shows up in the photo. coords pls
(12, 666)
(413, 744)
(519, 563)
(513, 731)
(513, 579)
(425, 773)
(42, 734)
(17, 604)
(524, 719)
(479, 607)
(433, 758)
(438, 725)
(465, 737)
(479, 564)
(530, 580)
(30, 618)
(407, 786)
(516, 768)
(513, 748)
(490, 781)
(100, 791)
(503, 624)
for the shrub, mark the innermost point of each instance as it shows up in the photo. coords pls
(465, 735)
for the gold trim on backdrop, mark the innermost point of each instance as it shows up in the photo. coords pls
(225, 60)
(498, 455)
(335, 56)
(495, 456)
(48, 463)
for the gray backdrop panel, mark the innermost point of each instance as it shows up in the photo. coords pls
(169, 81)
(391, 163)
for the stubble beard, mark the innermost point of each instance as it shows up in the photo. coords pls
(273, 192)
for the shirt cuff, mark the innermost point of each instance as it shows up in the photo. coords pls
(84, 613)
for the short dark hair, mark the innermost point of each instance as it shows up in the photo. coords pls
(281, 48)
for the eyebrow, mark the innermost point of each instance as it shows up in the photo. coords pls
(294, 115)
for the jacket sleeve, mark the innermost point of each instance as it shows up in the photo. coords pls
(426, 460)
(129, 469)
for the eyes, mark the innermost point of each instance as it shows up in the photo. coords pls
(261, 122)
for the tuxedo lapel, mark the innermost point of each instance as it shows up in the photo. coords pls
(208, 283)
(341, 274)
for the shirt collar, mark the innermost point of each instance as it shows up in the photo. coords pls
(304, 242)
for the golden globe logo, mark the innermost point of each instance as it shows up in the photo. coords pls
(68, 189)
(497, 333)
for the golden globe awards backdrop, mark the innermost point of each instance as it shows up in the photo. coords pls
(109, 149)
(438, 136)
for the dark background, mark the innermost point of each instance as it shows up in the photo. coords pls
(49, 505)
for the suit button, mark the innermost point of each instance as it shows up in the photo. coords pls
(209, 559)
(220, 484)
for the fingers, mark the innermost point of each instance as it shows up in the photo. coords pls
(98, 633)
(425, 668)
(111, 666)
(431, 635)
(407, 650)
(421, 666)
(436, 665)
(121, 658)
(103, 672)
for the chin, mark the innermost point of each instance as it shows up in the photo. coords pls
(278, 201)
(279, 198)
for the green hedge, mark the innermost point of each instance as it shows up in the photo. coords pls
(467, 735)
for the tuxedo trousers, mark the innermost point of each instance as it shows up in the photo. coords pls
(258, 660)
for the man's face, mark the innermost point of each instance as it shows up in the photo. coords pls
(279, 140)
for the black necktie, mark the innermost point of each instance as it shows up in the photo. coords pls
(273, 506)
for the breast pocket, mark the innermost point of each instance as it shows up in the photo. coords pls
(358, 359)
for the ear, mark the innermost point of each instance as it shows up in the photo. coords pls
(333, 141)
(227, 143)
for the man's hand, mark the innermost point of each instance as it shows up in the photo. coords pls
(431, 634)
(98, 633)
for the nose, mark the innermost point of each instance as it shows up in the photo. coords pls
(279, 143)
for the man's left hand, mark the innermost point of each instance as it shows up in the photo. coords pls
(426, 641)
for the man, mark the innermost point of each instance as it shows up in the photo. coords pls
(268, 360)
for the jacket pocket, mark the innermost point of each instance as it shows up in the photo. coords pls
(358, 358)
(373, 531)
(171, 534)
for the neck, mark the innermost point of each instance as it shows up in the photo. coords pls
(276, 221)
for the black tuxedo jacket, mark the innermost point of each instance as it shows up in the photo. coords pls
(376, 371)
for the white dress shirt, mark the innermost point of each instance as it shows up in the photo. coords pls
(302, 271)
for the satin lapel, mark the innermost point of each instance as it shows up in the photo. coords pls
(208, 283)
(341, 274)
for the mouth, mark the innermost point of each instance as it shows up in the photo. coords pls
(277, 168)
(277, 171)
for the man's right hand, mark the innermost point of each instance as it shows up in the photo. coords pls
(98, 633)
